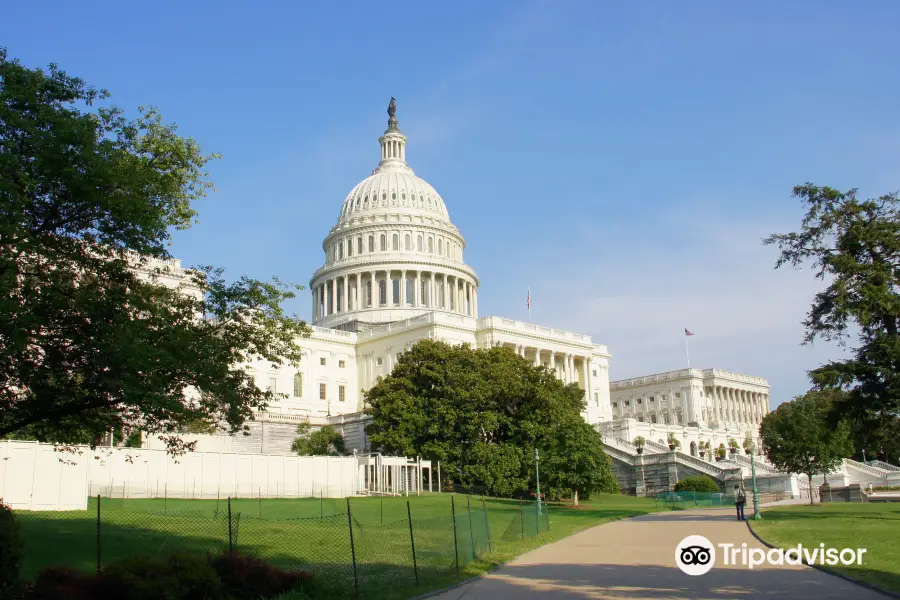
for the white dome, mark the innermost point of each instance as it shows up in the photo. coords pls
(392, 188)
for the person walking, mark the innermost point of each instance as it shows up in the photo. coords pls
(740, 500)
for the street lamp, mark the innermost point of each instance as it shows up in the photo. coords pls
(756, 515)
(537, 476)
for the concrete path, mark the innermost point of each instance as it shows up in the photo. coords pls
(635, 559)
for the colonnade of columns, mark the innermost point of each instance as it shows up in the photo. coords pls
(725, 404)
(568, 367)
(376, 289)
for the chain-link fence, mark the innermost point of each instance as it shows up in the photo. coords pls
(354, 545)
(694, 499)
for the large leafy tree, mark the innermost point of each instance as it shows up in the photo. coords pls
(799, 439)
(323, 441)
(854, 245)
(482, 413)
(90, 339)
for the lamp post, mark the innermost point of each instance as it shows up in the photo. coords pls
(756, 515)
(537, 476)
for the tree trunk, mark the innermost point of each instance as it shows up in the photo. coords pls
(575, 499)
(811, 492)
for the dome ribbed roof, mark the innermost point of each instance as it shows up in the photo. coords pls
(386, 190)
(393, 185)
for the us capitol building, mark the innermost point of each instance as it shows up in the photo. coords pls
(394, 273)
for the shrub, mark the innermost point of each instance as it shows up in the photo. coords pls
(249, 578)
(12, 550)
(62, 583)
(177, 577)
(698, 483)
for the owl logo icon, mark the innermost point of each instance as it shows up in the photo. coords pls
(695, 555)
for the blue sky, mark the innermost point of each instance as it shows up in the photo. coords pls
(622, 159)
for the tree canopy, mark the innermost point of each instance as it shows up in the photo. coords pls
(482, 413)
(90, 339)
(798, 438)
(324, 441)
(854, 245)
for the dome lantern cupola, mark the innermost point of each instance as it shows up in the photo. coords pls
(393, 143)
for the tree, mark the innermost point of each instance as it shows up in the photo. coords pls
(854, 245)
(324, 441)
(482, 413)
(90, 339)
(799, 439)
(697, 483)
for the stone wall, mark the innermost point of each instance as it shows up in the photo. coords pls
(656, 473)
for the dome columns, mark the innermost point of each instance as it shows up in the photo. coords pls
(393, 289)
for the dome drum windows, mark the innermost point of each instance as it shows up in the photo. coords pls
(383, 243)
(396, 242)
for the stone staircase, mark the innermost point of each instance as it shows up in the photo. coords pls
(878, 464)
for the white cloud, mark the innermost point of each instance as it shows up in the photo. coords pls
(706, 273)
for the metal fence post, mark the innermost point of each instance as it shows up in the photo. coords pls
(471, 529)
(382, 509)
(352, 549)
(230, 532)
(99, 562)
(487, 524)
(321, 505)
(522, 517)
(455, 543)
(412, 542)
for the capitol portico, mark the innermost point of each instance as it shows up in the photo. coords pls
(394, 273)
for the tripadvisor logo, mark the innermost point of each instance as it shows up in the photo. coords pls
(696, 555)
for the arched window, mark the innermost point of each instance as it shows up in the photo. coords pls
(430, 245)
(419, 243)
(371, 243)
(359, 247)
(423, 293)
(408, 242)
(349, 246)
(368, 293)
(341, 250)
(395, 291)
(298, 385)
(383, 242)
(382, 293)
(410, 290)
(396, 242)
(441, 247)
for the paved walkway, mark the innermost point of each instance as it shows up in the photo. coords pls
(635, 559)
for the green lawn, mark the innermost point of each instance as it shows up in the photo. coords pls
(875, 527)
(315, 534)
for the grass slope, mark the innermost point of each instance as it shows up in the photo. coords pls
(314, 533)
(875, 527)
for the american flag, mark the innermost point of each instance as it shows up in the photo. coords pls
(528, 300)
(687, 331)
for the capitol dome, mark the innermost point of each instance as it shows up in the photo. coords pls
(394, 253)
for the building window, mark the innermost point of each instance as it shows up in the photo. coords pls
(640, 401)
(396, 242)
(423, 294)
(272, 385)
(368, 293)
(298, 385)
(322, 361)
(419, 243)
(341, 396)
(378, 362)
(441, 247)
(594, 374)
(321, 391)
(628, 403)
(359, 246)
(615, 405)
(371, 243)
(652, 399)
(430, 245)
(408, 242)
(382, 293)
(341, 364)
(383, 242)
(640, 418)
(653, 418)
(410, 289)
(596, 398)
(340, 250)
(677, 395)
(349, 246)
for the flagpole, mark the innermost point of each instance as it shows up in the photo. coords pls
(687, 351)
(529, 304)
